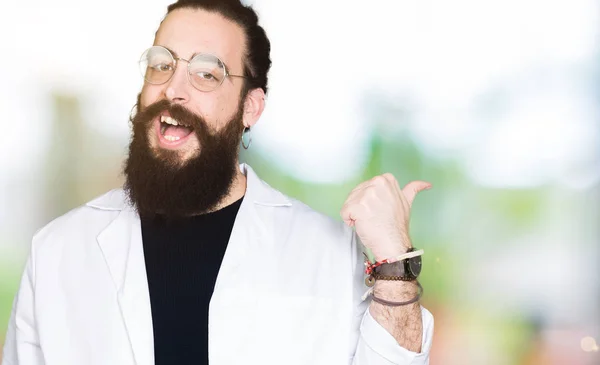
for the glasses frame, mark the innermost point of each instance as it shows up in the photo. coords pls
(176, 62)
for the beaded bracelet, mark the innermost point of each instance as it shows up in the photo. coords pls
(389, 277)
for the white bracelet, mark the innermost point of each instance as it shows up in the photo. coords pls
(408, 255)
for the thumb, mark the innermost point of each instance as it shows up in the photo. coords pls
(347, 215)
(412, 188)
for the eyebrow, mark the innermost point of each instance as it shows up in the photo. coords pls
(194, 55)
(177, 56)
(172, 52)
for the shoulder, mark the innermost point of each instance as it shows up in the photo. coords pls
(83, 222)
(315, 222)
(308, 230)
(290, 217)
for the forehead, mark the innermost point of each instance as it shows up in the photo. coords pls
(191, 31)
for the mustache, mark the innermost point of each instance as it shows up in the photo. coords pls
(177, 111)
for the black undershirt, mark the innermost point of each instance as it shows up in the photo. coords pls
(183, 258)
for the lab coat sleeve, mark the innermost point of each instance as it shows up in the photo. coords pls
(372, 344)
(22, 345)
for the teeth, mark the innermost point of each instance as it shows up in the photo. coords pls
(168, 120)
(171, 121)
(172, 138)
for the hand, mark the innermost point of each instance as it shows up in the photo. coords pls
(379, 211)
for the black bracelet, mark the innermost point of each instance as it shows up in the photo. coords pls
(398, 304)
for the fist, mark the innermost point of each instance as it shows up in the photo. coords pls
(379, 211)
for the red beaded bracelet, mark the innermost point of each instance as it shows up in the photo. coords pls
(370, 267)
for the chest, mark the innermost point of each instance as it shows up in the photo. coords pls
(271, 301)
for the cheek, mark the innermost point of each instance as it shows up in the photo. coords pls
(207, 106)
(150, 94)
(221, 109)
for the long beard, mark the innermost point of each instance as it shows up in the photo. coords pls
(157, 182)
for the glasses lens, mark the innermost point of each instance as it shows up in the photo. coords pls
(206, 72)
(157, 65)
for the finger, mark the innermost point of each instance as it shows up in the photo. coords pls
(366, 184)
(411, 190)
(379, 180)
(347, 215)
(351, 211)
(357, 191)
(348, 211)
(394, 182)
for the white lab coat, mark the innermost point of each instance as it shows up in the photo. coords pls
(288, 291)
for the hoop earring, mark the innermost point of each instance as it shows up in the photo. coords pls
(133, 113)
(249, 132)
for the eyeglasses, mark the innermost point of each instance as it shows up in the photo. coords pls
(206, 72)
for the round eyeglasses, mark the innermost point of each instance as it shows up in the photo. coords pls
(206, 72)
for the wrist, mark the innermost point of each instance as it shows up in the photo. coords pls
(398, 248)
(387, 296)
(395, 290)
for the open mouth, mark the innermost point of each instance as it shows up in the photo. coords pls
(173, 130)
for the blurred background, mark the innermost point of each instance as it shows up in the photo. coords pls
(497, 103)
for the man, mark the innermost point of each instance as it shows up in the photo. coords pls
(197, 260)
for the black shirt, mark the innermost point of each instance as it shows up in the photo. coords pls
(183, 258)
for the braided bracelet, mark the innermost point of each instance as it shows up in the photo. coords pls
(398, 304)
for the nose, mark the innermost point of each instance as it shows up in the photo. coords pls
(177, 90)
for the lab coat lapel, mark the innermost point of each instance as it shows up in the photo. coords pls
(252, 234)
(121, 245)
(249, 230)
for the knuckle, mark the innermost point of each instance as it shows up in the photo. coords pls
(370, 193)
(389, 176)
(379, 180)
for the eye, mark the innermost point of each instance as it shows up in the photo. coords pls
(205, 76)
(163, 67)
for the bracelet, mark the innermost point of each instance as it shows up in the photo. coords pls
(398, 304)
(408, 255)
(389, 277)
(370, 267)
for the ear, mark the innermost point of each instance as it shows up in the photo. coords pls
(253, 107)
